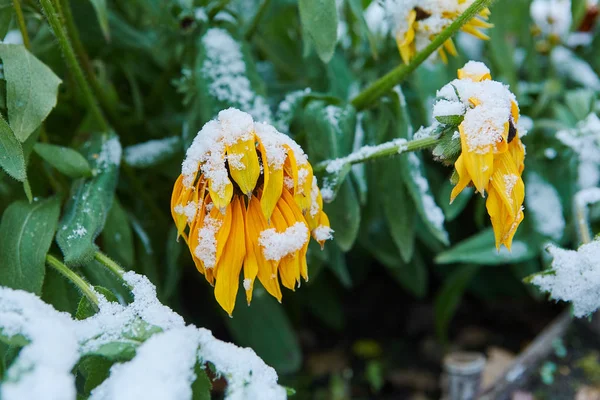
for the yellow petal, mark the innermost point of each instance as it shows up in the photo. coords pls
(509, 235)
(405, 42)
(288, 267)
(478, 34)
(313, 220)
(255, 263)
(271, 192)
(221, 196)
(507, 183)
(323, 221)
(449, 46)
(514, 111)
(264, 162)
(179, 195)
(464, 178)
(302, 195)
(497, 213)
(443, 55)
(517, 152)
(220, 237)
(291, 219)
(478, 165)
(243, 164)
(290, 167)
(229, 265)
(194, 236)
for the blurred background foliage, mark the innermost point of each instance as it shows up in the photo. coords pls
(391, 276)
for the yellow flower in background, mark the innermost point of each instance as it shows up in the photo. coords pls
(419, 22)
(492, 154)
(247, 198)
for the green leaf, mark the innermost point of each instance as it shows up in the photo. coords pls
(31, 89)
(173, 273)
(64, 159)
(102, 15)
(323, 301)
(11, 153)
(6, 13)
(344, 216)
(95, 369)
(86, 309)
(451, 211)
(481, 249)
(116, 351)
(337, 264)
(329, 129)
(449, 297)
(581, 102)
(319, 20)
(202, 386)
(265, 328)
(90, 201)
(414, 177)
(26, 233)
(117, 236)
(60, 292)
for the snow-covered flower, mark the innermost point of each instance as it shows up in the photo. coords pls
(249, 198)
(492, 155)
(417, 22)
(552, 17)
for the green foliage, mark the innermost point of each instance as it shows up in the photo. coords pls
(91, 199)
(11, 159)
(26, 232)
(31, 89)
(64, 159)
(319, 23)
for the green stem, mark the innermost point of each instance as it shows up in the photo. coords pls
(396, 146)
(110, 264)
(220, 6)
(105, 102)
(583, 199)
(381, 86)
(256, 19)
(73, 64)
(85, 287)
(21, 23)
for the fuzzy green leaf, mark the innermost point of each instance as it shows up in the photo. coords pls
(26, 232)
(202, 385)
(6, 13)
(31, 89)
(64, 159)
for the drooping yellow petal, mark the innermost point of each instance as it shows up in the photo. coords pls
(312, 216)
(405, 43)
(481, 76)
(479, 164)
(450, 48)
(255, 264)
(221, 194)
(213, 243)
(497, 213)
(473, 31)
(443, 55)
(290, 167)
(514, 111)
(302, 195)
(271, 192)
(288, 268)
(243, 164)
(508, 183)
(229, 266)
(297, 216)
(463, 178)
(179, 195)
(510, 234)
(517, 152)
(194, 235)
(323, 223)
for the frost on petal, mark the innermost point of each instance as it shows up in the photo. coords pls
(574, 277)
(278, 245)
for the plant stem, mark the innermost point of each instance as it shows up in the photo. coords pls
(396, 146)
(21, 23)
(583, 199)
(105, 102)
(73, 64)
(85, 287)
(381, 86)
(256, 19)
(110, 264)
(218, 8)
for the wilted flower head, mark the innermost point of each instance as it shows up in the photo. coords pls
(492, 155)
(248, 197)
(417, 22)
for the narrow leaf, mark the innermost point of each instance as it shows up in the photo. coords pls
(11, 153)
(117, 236)
(31, 89)
(91, 200)
(102, 15)
(64, 159)
(26, 232)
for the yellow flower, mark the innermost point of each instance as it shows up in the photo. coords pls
(247, 198)
(426, 19)
(492, 156)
